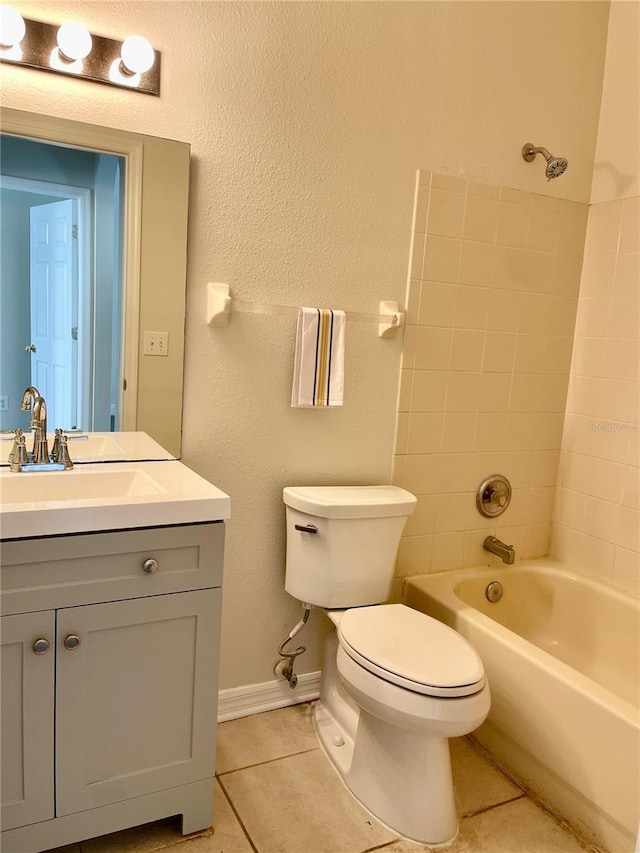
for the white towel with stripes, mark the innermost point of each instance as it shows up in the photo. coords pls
(318, 371)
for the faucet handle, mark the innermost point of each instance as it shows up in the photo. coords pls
(18, 455)
(17, 434)
(498, 497)
(63, 453)
(55, 449)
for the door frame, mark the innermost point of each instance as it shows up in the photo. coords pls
(85, 283)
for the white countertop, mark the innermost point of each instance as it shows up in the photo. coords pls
(113, 496)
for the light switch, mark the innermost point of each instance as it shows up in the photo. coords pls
(156, 343)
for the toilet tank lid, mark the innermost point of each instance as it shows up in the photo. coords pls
(350, 501)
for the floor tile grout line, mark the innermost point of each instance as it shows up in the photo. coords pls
(521, 796)
(184, 840)
(589, 846)
(237, 816)
(382, 846)
(267, 761)
(482, 750)
(493, 806)
(535, 799)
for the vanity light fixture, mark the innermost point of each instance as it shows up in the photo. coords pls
(72, 49)
(74, 41)
(12, 27)
(137, 55)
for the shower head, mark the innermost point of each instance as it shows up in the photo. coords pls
(555, 165)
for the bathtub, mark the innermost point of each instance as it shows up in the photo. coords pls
(561, 654)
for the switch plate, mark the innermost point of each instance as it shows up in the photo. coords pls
(4, 404)
(156, 343)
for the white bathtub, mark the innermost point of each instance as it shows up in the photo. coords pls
(561, 654)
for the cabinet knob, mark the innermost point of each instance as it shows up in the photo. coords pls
(40, 646)
(150, 566)
(71, 642)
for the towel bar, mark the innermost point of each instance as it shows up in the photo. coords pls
(220, 305)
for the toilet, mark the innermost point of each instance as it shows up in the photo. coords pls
(396, 684)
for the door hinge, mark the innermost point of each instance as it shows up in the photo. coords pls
(124, 384)
(74, 231)
(74, 333)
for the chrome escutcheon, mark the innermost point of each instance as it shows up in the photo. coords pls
(494, 591)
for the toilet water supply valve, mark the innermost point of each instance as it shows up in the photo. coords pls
(285, 666)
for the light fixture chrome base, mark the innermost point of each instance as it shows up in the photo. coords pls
(39, 49)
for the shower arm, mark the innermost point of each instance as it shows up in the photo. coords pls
(529, 153)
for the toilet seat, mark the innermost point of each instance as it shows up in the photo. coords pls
(410, 649)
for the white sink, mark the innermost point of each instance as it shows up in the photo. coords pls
(111, 496)
(100, 447)
(81, 485)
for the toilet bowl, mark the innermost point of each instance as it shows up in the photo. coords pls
(396, 684)
(387, 734)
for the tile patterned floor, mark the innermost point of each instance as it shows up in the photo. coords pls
(277, 793)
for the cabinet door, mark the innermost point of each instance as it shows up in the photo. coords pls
(136, 697)
(26, 717)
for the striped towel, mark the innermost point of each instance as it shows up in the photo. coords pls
(318, 372)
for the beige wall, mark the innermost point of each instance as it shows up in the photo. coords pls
(616, 171)
(307, 123)
(597, 512)
(493, 296)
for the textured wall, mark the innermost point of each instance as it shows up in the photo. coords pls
(616, 172)
(307, 123)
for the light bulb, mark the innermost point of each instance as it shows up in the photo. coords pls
(137, 55)
(12, 26)
(74, 41)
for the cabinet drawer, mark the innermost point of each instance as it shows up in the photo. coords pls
(66, 571)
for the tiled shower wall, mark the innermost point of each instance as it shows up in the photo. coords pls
(597, 509)
(495, 275)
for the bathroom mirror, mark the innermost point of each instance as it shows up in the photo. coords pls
(154, 177)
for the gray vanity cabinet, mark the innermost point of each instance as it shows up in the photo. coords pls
(109, 695)
(26, 719)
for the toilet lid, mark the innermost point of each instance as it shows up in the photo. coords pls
(409, 648)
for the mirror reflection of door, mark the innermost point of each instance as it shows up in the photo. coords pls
(61, 283)
(54, 301)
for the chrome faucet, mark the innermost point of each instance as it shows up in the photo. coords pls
(29, 397)
(507, 553)
(38, 459)
(34, 401)
(39, 423)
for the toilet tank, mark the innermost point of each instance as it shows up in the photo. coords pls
(349, 560)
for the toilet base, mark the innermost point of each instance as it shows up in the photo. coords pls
(405, 784)
(391, 746)
(402, 778)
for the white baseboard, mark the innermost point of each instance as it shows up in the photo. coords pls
(255, 698)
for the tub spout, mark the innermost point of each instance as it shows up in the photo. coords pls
(507, 553)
